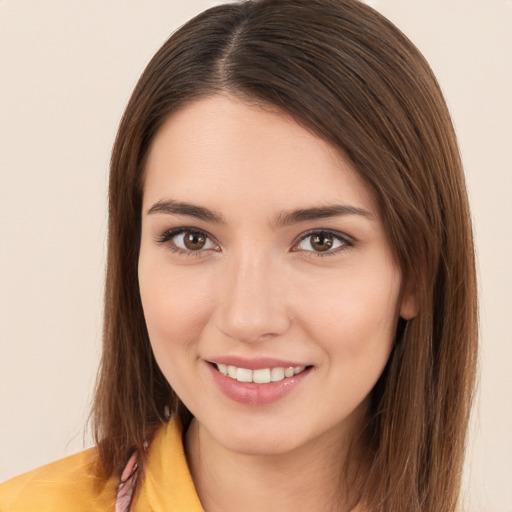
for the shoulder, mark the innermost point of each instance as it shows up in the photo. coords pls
(71, 484)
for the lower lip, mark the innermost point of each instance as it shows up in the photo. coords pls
(256, 394)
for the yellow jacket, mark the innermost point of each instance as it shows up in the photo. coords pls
(72, 484)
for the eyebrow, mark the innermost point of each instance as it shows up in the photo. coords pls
(285, 218)
(191, 210)
(304, 214)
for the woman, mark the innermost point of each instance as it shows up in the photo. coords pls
(290, 316)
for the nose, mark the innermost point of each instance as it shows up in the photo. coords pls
(252, 302)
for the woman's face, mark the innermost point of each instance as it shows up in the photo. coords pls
(263, 256)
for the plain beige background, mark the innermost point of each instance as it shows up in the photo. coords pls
(67, 68)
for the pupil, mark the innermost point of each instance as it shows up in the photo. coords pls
(322, 242)
(194, 241)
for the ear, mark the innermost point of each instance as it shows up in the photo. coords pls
(409, 305)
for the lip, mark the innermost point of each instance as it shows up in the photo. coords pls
(255, 363)
(253, 394)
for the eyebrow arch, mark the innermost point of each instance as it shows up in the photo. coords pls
(285, 218)
(305, 214)
(180, 208)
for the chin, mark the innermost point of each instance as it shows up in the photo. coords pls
(256, 436)
(260, 444)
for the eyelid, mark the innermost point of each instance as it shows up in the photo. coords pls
(347, 241)
(167, 236)
(166, 239)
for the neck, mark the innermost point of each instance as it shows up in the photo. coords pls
(312, 477)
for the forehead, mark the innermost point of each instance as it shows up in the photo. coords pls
(250, 154)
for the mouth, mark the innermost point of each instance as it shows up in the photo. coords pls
(261, 375)
(266, 381)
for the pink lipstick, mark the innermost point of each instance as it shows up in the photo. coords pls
(256, 381)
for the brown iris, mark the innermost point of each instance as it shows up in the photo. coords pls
(322, 242)
(194, 241)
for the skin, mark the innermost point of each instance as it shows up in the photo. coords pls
(259, 288)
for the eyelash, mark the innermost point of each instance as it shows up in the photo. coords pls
(167, 236)
(346, 241)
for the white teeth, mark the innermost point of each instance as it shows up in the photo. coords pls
(289, 372)
(276, 374)
(243, 375)
(261, 376)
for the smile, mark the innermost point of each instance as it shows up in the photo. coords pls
(260, 376)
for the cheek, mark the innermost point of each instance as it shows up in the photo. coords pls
(176, 306)
(354, 316)
(353, 321)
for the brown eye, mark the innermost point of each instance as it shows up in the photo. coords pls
(322, 242)
(194, 241)
(189, 241)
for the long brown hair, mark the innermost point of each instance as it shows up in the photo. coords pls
(349, 75)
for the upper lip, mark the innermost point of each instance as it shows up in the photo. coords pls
(256, 363)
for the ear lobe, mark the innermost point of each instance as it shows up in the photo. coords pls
(409, 306)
